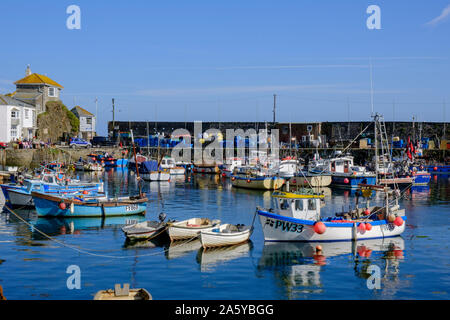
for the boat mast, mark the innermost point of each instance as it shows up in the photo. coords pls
(136, 163)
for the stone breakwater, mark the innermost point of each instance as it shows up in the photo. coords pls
(32, 158)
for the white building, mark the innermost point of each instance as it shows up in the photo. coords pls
(87, 122)
(17, 119)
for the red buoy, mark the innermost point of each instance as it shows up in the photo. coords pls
(368, 226)
(248, 181)
(435, 168)
(398, 221)
(223, 174)
(233, 178)
(346, 181)
(62, 206)
(85, 192)
(294, 181)
(362, 227)
(319, 227)
(367, 212)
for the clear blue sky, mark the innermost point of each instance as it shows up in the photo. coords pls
(211, 60)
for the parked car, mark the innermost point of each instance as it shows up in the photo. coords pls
(3, 145)
(78, 142)
(103, 142)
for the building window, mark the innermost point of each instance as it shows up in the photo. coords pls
(14, 114)
(13, 132)
(88, 120)
(51, 92)
(27, 114)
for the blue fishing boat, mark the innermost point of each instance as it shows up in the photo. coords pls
(438, 169)
(78, 205)
(20, 194)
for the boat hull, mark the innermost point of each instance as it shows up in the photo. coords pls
(280, 228)
(156, 176)
(210, 239)
(179, 230)
(313, 181)
(48, 206)
(260, 183)
(351, 181)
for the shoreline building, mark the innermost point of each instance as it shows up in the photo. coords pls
(17, 119)
(36, 89)
(87, 122)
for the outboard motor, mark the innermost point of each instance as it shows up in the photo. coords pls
(162, 216)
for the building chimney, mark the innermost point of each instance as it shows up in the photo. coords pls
(28, 71)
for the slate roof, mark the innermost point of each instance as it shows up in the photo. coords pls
(8, 101)
(81, 112)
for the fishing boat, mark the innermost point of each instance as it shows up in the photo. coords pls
(228, 167)
(20, 194)
(225, 235)
(124, 293)
(288, 167)
(151, 171)
(168, 164)
(296, 217)
(191, 228)
(145, 230)
(260, 183)
(206, 168)
(80, 205)
(438, 169)
(89, 166)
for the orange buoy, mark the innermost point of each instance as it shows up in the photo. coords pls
(85, 192)
(398, 221)
(248, 180)
(233, 178)
(368, 226)
(319, 227)
(435, 168)
(318, 248)
(62, 206)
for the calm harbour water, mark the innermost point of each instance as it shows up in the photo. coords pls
(413, 266)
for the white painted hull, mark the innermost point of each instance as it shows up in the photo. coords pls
(179, 249)
(20, 199)
(210, 239)
(179, 230)
(177, 171)
(279, 228)
(143, 230)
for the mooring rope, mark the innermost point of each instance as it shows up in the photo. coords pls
(87, 252)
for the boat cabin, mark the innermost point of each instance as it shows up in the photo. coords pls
(298, 206)
(168, 163)
(341, 165)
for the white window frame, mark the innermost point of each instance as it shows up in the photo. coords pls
(14, 132)
(54, 92)
(27, 114)
(15, 114)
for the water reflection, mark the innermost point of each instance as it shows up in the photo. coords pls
(209, 259)
(297, 266)
(179, 249)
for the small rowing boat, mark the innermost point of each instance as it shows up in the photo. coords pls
(145, 230)
(191, 228)
(225, 235)
(124, 293)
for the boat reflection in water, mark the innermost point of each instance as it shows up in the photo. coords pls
(160, 186)
(177, 249)
(419, 192)
(298, 264)
(61, 226)
(209, 259)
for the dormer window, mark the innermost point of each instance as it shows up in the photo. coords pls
(51, 92)
(14, 114)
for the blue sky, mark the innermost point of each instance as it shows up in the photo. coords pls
(224, 60)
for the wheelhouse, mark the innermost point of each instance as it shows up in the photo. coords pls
(298, 206)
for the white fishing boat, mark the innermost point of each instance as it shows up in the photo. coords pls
(288, 167)
(168, 164)
(145, 230)
(225, 235)
(297, 218)
(191, 228)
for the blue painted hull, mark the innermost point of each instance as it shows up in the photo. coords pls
(440, 169)
(51, 208)
(422, 179)
(353, 181)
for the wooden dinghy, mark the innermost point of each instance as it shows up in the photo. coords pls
(225, 235)
(124, 293)
(145, 230)
(191, 228)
